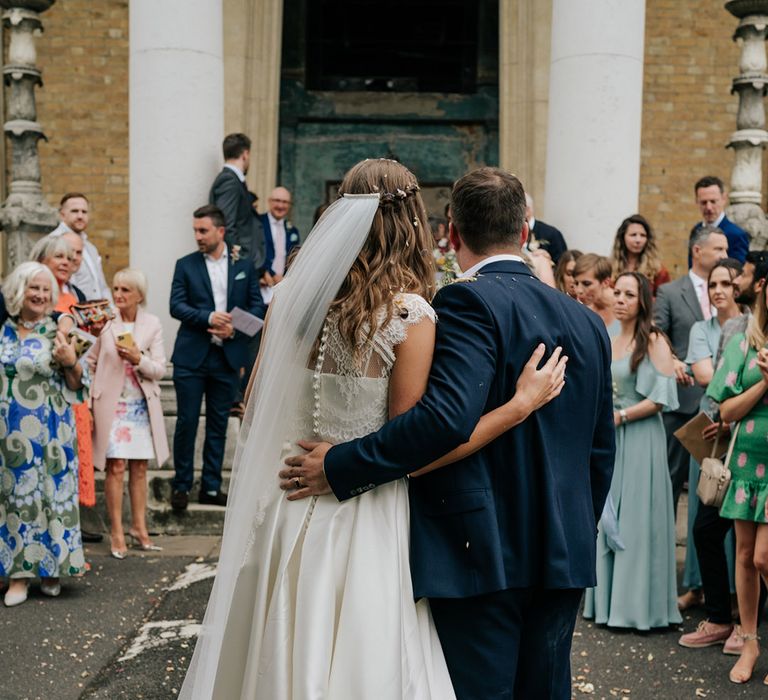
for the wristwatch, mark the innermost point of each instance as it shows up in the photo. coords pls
(623, 416)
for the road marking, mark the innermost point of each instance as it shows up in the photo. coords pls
(193, 573)
(157, 634)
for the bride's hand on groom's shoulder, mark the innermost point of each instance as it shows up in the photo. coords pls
(305, 475)
(537, 386)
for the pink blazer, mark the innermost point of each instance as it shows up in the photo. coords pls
(108, 372)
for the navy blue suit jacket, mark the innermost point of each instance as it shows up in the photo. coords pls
(192, 303)
(522, 511)
(292, 239)
(550, 239)
(738, 239)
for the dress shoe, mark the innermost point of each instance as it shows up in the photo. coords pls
(179, 500)
(734, 643)
(91, 537)
(707, 634)
(218, 499)
(15, 597)
(51, 588)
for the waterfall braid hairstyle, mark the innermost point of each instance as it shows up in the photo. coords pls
(644, 327)
(650, 262)
(396, 256)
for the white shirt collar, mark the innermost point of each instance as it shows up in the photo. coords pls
(236, 171)
(531, 222)
(272, 220)
(698, 282)
(214, 260)
(716, 223)
(487, 261)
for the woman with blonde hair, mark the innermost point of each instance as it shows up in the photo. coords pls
(634, 250)
(348, 343)
(128, 361)
(564, 272)
(740, 385)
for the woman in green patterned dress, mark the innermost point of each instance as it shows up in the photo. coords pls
(41, 378)
(740, 384)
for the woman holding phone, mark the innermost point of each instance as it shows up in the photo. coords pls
(128, 360)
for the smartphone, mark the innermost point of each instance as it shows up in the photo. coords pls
(125, 340)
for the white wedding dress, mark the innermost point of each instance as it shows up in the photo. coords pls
(323, 606)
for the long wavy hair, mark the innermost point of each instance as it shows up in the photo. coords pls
(757, 328)
(644, 327)
(649, 263)
(562, 264)
(396, 256)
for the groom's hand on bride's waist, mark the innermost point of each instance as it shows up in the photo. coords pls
(304, 474)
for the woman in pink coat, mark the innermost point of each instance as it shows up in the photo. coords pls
(127, 361)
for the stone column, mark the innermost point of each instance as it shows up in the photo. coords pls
(252, 62)
(750, 137)
(176, 127)
(524, 35)
(25, 214)
(595, 110)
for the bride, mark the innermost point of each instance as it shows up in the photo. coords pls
(313, 598)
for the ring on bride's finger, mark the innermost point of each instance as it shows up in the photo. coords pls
(297, 481)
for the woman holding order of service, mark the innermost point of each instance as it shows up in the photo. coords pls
(128, 360)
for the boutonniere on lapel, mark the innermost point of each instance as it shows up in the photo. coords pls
(234, 254)
(293, 238)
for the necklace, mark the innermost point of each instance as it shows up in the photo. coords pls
(29, 325)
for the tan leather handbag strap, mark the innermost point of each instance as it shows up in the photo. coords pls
(732, 445)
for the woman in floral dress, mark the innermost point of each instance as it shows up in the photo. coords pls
(740, 384)
(41, 379)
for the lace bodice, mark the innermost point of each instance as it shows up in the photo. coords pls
(345, 394)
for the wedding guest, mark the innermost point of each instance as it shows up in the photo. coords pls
(702, 359)
(636, 573)
(592, 281)
(679, 304)
(39, 518)
(56, 254)
(634, 250)
(74, 212)
(128, 361)
(564, 272)
(209, 354)
(542, 235)
(280, 235)
(740, 384)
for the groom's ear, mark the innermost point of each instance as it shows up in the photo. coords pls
(524, 234)
(453, 237)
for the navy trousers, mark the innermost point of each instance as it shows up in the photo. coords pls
(513, 644)
(218, 382)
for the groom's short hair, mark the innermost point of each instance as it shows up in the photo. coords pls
(488, 207)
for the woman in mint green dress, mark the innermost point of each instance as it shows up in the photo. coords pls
(636, 576)
(740, 384)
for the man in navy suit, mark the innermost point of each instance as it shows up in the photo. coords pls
(280, 236)
(547, 237)
(502, 542)
(711, 200)
(209, 353)
(229, 193)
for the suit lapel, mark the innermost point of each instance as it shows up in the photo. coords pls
(690, 298)
(230, 280)
(204, 275)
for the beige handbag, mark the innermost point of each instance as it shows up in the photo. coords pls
(715, 477)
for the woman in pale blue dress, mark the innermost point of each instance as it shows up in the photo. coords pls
(636, 577)
(702, 358)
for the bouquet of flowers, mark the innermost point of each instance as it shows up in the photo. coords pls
(445, 259)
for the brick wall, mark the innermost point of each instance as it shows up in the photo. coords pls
(83, 107)
(688, 114)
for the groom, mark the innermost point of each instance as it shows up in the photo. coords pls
(502, 542)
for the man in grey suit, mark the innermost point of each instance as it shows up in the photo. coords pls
(229, 192)
(679, 305)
